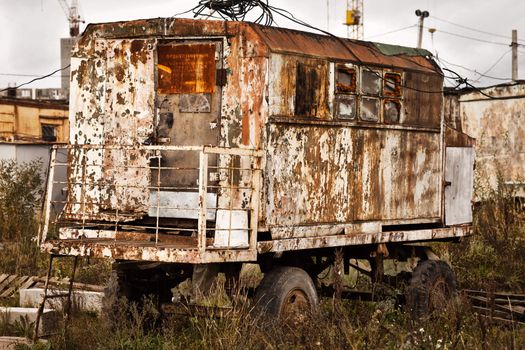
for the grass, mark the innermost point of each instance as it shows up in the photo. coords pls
(355, 326)
(492, 259)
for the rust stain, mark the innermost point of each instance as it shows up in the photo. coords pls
(322, 175)
(191, 68)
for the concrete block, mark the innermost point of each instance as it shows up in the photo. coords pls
(10, 343)
(83, 300)
(48, 321)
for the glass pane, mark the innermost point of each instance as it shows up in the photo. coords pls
(49, 133)
(370, 82)
(186, 68)
(392, 111)
(345, 107)
(369, 109)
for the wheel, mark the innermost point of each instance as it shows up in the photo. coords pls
(115, 290)
(288, 294)
(430, 288)
(130, 281)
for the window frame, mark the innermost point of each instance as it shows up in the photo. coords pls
(386, 92)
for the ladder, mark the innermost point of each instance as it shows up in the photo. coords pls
(67, 308)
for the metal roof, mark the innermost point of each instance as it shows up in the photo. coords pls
(279, 40)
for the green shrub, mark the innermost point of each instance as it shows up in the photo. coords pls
(21, 189)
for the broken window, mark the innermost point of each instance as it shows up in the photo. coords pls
(392, 111)
(307, 94)
(392, 85)
(345, 103)
(346, 79)
(49, 133)
(186, 68)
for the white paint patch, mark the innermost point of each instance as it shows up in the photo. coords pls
(231, 229)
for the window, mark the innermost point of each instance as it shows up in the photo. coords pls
(345, 106)
(392, 102)
(370, 106)
(369, 109)
(370, 82)
(186, 68)
(307, 94)
(49, 132)
(346, 80)
(392, 85)
(391, 111)
(369, 94)
(346, 92)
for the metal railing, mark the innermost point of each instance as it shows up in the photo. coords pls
(206, 195)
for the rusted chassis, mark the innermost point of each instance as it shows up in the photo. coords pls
(126, 250)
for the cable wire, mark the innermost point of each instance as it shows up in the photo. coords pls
(470, 38)
(475, 71)
(36, 79)
(392, 31)
(473, 29)
(27, 75)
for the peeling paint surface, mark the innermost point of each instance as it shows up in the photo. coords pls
(174, 121)
(326, 175)
(498, 127)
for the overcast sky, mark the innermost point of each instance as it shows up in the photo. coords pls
(30, 30)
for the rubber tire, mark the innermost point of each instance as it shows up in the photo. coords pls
(276, 285)
(426, 280)
(114, 290)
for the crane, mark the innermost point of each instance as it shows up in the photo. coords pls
(354, 19)
(73, 16)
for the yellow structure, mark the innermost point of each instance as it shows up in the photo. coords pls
(33, 121)
(354, 19)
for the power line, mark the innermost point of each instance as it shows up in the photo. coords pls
(475, 71)
(470, 38)
(495, 63)
(27, 75)
(473, 29)
(38, 78)
(392, 31)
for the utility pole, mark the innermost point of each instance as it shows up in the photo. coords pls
(422, 15)
(514, 46)
(328, 16)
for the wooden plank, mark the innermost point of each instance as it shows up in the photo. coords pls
(5, 284)
(76, 285)
(3, 277)
(13, 287)
(487, 301)
(499, 295)
(29, 283)
(487, 312)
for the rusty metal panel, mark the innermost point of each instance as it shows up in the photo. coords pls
(459, 178)
(113, 89)
(86, 127)
(186, 68)
(321, 175)
(423, 100)
(280, 40)
(498, 128)
(298, 87)
(282, 245)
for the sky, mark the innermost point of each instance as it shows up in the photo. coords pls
(30, 31)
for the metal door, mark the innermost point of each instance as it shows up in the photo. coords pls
(188, 112)
(459, 182)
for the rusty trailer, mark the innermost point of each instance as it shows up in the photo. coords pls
(195, 142)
